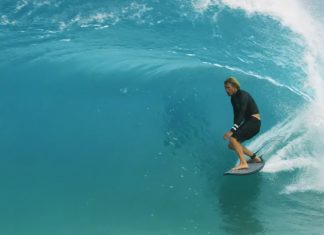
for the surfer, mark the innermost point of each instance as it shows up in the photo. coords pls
(247, 122)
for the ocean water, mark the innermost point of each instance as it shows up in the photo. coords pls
(112, 115)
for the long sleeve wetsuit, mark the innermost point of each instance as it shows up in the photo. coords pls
(244, 107)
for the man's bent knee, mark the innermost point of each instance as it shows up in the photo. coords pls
(233, 140)
(230, 145)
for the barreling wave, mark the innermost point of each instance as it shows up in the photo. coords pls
(115, 110)
(159, 42)
(295, 142)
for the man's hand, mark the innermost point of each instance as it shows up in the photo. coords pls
(228, 134)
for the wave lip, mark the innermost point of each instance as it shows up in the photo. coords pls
(293, 15)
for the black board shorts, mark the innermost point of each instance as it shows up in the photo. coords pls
(249, 128)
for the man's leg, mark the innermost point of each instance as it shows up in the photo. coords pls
(250, 154)
(246, 151)
(240, 153)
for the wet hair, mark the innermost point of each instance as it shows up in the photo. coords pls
(233, 81)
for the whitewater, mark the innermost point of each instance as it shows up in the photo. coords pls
(112, 116)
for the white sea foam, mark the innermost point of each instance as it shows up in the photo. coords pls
(136, 11)
(296, 145)
(36, 4)
(308, 181)
(65, 40)
(42, 3)
(289, 12)
(102, 19)
(98, 20)
(4, 20)
(21, 4)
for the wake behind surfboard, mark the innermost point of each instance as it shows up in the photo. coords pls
(253, 168)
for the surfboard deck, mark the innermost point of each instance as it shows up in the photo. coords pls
(253, 168)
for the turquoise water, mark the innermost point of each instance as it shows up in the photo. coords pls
(113, 113)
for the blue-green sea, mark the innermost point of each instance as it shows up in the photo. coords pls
(112, 116)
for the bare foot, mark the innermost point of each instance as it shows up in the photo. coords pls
(255, 160)
(241, 166)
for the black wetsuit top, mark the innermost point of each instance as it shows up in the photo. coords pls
(244, 107)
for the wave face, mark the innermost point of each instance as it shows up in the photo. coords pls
(112, 116)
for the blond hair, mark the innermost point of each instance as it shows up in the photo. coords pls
(233, 81)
